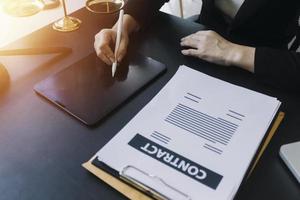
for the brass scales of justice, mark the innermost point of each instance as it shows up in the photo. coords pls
(24, 8)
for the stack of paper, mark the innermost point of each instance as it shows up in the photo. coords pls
(194, 140)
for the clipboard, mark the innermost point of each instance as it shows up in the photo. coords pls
(135, 191)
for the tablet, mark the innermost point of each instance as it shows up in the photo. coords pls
(87, 91)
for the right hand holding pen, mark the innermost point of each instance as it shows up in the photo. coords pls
(105, 40)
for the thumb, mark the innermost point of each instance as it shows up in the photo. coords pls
(122, 48)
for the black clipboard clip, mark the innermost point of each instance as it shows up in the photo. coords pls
(152, 185)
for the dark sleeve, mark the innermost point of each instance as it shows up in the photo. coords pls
(143, 10)
(279, 68)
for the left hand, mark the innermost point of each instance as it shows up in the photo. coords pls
(209, 46)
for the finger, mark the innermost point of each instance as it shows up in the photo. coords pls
(103, 41)
(187, 37)
(122, 49)
(121, 55)
(104, 59)
(96, 47)
(190, 43)
(104, 36)
(199, 37)
(193, 35)
(190, 52)
(106, 50)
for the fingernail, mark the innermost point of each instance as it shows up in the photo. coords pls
(183, 52)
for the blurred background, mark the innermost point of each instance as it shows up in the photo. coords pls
(13, 28)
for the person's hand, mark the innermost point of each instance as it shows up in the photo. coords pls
(210, 46)
(105, 40)
(207, 45)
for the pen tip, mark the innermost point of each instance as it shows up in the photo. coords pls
(114, 68)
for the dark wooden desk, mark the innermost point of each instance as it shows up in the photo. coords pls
(42, 148)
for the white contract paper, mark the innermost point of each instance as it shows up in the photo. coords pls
(198, 136)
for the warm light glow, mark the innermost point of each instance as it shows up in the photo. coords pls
(13, 28)
(23, 8)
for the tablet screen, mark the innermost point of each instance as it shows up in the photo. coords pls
(87, 90)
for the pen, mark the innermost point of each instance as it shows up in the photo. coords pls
(119, 34)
